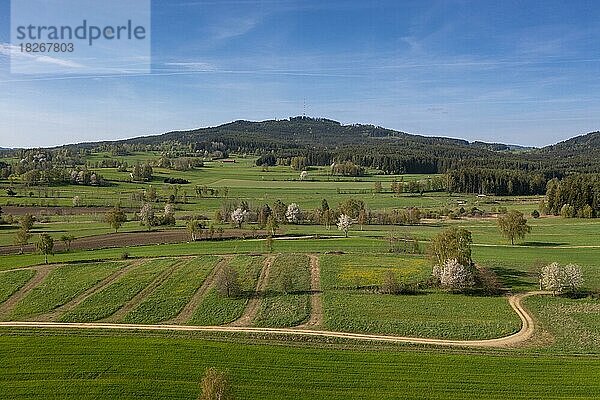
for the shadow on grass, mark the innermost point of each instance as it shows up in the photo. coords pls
(375, 289)
(269, 294)
(582, 294)
(542, 244)
(511, 277)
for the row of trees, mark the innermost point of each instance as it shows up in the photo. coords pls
(116, 217)
(282, 213)
(494, 181)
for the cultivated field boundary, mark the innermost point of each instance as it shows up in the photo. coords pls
(515, 301)
(253, 303)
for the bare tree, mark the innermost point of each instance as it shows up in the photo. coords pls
(390, 283)
(45, 245)
(362, 218)
(272, 225)
(215, 386)
(228, 284)
(269, 243)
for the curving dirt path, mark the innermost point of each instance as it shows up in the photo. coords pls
(196, 299)
(525, 333)
(316, 297)
(40, 274)
(254, 302)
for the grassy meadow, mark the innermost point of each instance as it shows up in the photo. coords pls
(153, 283)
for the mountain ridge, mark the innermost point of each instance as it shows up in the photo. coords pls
(365, 130)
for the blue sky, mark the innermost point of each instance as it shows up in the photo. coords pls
(524, 72)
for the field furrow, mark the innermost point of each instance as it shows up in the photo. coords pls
(52, 316)
(8, 305)
(169, 299)
(12, 281)
(107, 301)
(218, 309)
(254, 302)
(60, 286)
(286, 301)
(142, 294)
(316, 297)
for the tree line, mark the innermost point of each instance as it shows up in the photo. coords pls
(574, 196)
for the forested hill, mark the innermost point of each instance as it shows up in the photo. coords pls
(297, 132)
(578, 146)
(324, 141)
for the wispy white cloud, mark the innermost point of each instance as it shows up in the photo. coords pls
(232, 27)
(192, 65)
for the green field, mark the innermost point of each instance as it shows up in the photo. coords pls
(133, 367)
(217, 309)
(62, 285)
(572, 325)
(11, 281)
(170, 297)
(279, 309)
(435, 315)
(157, 281)
(111, 298)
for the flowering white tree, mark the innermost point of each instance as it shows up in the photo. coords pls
(147, 215)
(238, 216)
(551, 278)
(169, 214)
(573, 277)
(453, 275)
(303, 175)
(555, 278)
(293, 213)
(344, 223)
(169, 209)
